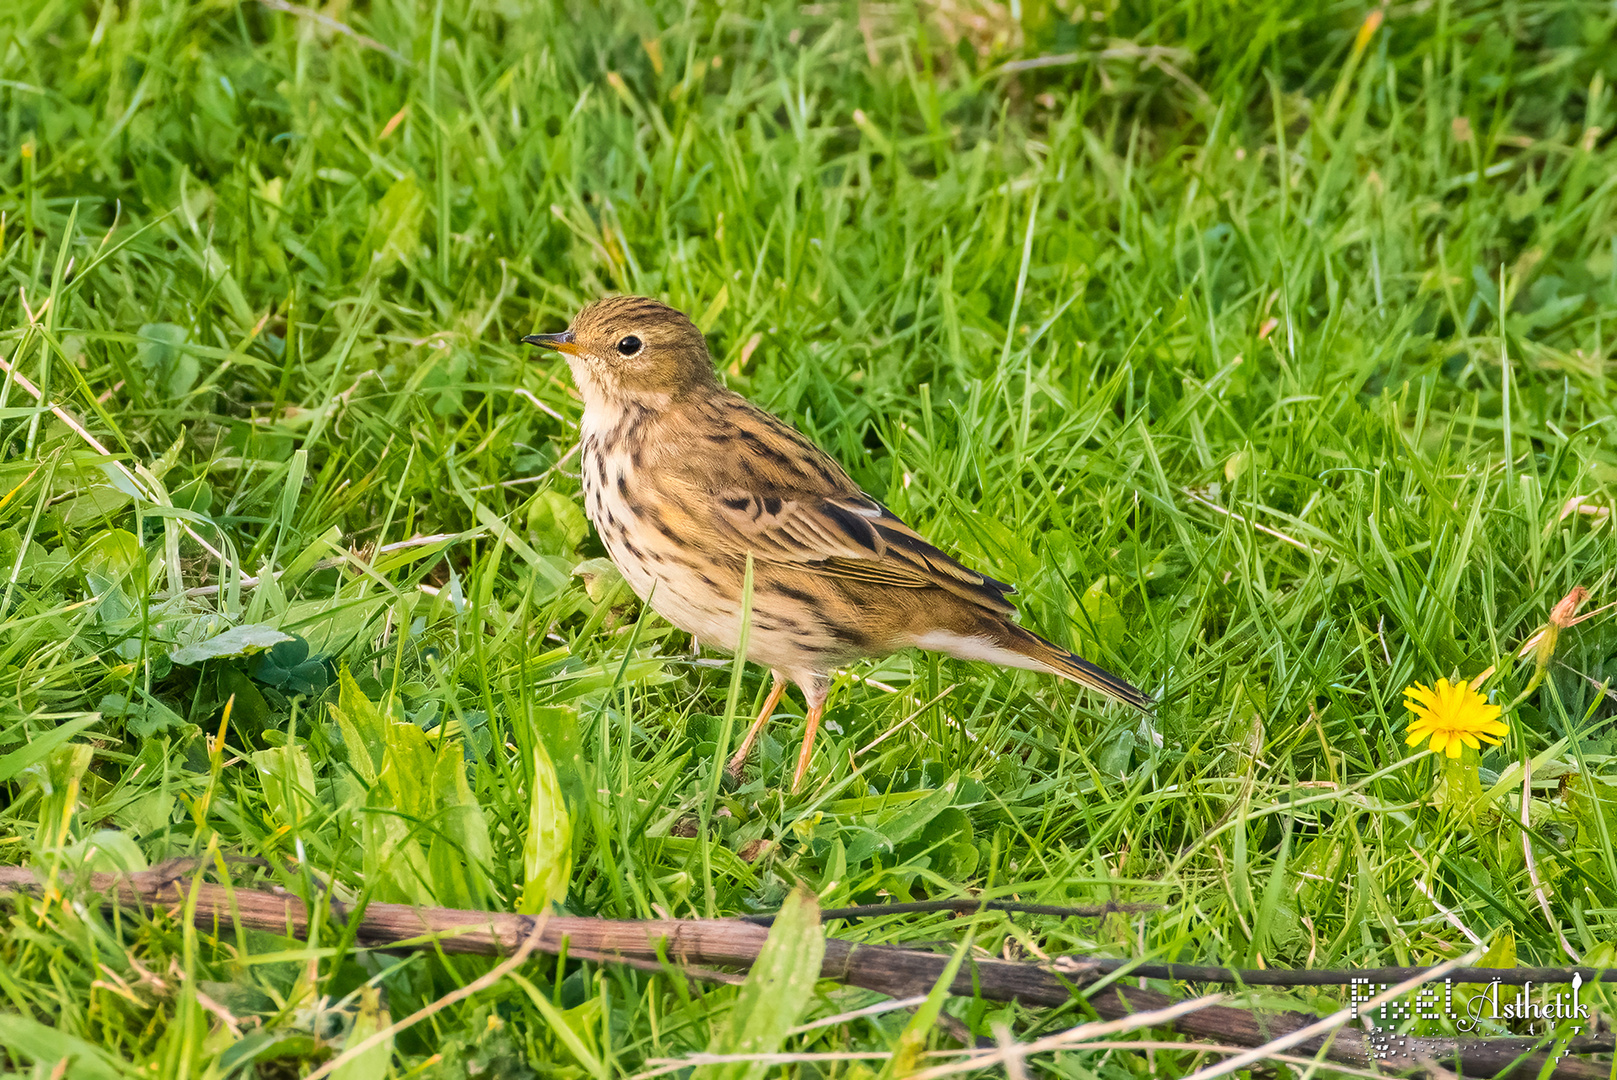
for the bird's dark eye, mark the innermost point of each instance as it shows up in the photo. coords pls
(629, 345)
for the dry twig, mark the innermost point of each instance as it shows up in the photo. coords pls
(894, 971)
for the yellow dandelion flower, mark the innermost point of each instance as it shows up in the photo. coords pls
(1452, 715)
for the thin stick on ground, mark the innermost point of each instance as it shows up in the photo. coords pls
(664, 1066)
(1061, 1040)
(1330, 1024)
(891, 970)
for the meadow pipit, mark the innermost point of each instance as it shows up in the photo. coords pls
(684, 479)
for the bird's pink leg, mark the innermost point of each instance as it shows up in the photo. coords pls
(739, 761)
(805, 755)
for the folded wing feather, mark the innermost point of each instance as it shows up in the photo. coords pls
(848, 536)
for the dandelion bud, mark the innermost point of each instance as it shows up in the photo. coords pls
(1560, 618)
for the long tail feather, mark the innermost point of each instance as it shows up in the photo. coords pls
(1069, 665)
(1000, 641)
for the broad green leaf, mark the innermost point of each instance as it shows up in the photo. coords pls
(424, 836)
(947, 841)
(460, 849)
(237, 641)
(557, 725)
(394, 233)
(1115, 752)
(252, 712)
(196, 497)
(714, 309)
(1100, 620)
(99, 502)
(59, 777)
(1501, 953)
(264, 1046)
(110, 851)
(289, 653)
(113, 554)
(556, 525)
(363, 751)
(47, 1047)
(287, 776)
(368, 1064)
(547, 852)
(776, 993)
(148, 812)
(38, 747)
(143, 719)
(289, 668)
(602, 580)
(170, 367)
(900, 826)
(1005, 550)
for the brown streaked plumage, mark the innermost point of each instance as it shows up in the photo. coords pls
(684, 479)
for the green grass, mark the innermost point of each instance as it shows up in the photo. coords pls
(1105, 327)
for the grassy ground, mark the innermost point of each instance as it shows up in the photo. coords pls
(1266, 348)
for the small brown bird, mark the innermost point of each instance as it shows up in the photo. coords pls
(684, 479)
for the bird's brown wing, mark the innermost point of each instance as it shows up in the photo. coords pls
(849, 537)
(777, 496)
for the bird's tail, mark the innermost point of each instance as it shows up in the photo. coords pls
(1048, 656)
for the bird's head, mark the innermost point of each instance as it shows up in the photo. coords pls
(631, 347)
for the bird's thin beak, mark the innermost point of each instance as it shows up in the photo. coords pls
(562, 342)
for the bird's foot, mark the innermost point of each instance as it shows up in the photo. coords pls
(806, 755)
